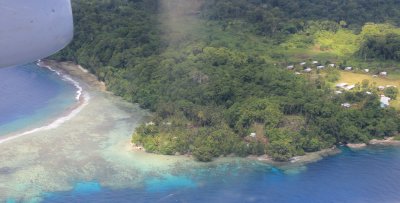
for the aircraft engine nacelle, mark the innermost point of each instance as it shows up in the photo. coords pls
(33, 29)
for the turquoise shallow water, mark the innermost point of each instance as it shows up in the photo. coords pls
(368, 175)
(30, 96)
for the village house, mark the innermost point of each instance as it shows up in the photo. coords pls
(348, 68)
(350, 87)
(383, 74)
(332, 65)
(320, 67)
(384, 101)
(303, 63)
(315, 62)
(341, 85)
(366, 70)
(381, 88)
(345, 86)
(151, 123)
(307, 70)
(290, 67)
(346, 105)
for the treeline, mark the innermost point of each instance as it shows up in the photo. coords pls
(290, 16)
(380, 42)
(212, 98)
(117, 34)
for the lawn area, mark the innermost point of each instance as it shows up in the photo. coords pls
(353, 78)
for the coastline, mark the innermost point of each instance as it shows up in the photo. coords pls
(82, 99)
(307, 158)
(87, 143)
(76, 71)
(389, 141)
(95, 145)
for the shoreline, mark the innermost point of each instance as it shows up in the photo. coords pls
(76, 71)
(95, 146)
(88, 143)
(70, 69)
(389, 141)
(307, 158)
(82, 99)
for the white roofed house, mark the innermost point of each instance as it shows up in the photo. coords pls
(381, 88)
(383, 74)
(366, 70)
(307, 70)
(303, 63)
(384, 101)
(332, 65)
(341, 85)
(348, 68)
(320, 67)
(290, 67)
(346, 105)
(315, 62)
(151, 123)
(350, 87)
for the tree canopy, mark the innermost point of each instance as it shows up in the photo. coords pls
(216, 85)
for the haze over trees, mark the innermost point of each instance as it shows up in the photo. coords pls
(214, 72)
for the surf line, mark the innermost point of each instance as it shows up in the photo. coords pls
(81, 96)
(64, 77)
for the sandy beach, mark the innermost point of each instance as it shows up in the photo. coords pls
(389, 141)
(298, 160)
(356, 145)
(386, 141)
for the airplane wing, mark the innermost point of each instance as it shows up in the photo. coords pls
(31, 30)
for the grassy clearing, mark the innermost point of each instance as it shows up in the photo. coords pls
(353, 78)
(341, 43)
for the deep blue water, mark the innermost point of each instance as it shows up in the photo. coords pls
(368, 175)
(30, 95)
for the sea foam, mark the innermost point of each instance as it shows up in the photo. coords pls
(66, 78)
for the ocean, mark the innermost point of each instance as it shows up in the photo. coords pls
(367, 175)
(31, 96)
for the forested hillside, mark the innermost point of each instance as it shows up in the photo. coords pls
(214, 72)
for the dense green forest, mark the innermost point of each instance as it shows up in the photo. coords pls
(214, 71)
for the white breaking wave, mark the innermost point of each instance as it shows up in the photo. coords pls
(54, 124)
(80, 97)
(65, 78)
